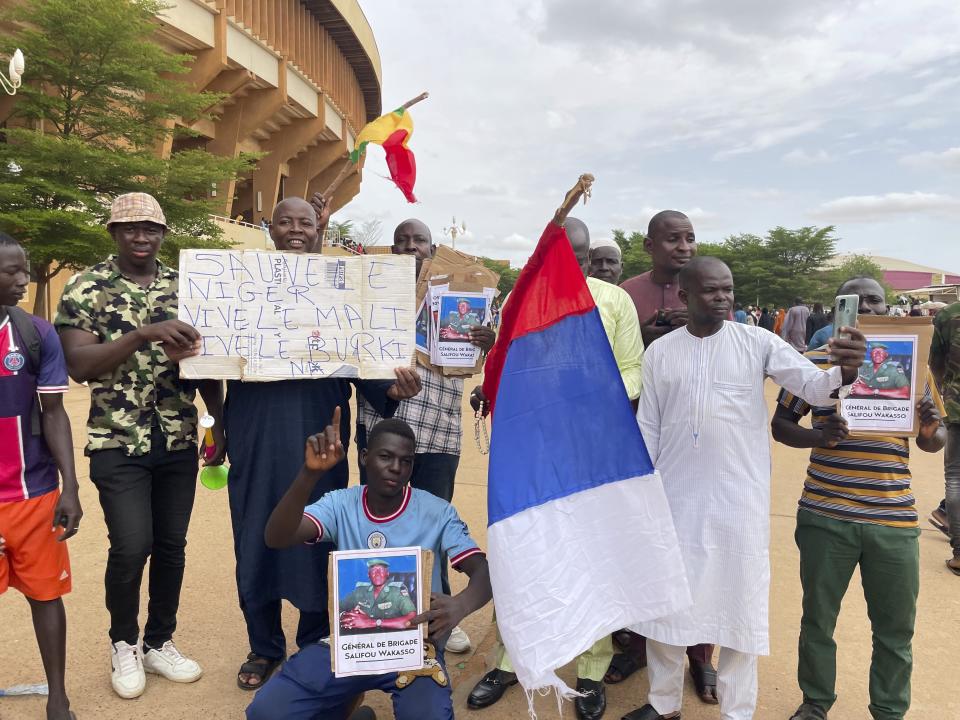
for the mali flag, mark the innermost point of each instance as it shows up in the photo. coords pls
(393, 132)
(581, 540)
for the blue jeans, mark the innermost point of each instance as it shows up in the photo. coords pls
(305, 689)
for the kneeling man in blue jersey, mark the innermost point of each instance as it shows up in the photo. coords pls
(396, 515)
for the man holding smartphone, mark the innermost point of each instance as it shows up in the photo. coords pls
(857, 509)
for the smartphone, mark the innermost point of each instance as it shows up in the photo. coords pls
(845, 309)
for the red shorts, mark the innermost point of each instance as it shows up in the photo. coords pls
(33, 561)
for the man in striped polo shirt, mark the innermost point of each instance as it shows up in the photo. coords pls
(857, 508)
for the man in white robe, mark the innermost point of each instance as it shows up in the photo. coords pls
(704, 420)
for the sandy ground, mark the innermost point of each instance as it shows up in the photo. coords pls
(212, 631)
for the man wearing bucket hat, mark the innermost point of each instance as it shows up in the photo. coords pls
(117, 321)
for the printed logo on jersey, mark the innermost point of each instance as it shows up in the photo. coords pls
(14, 361)
(376, 540)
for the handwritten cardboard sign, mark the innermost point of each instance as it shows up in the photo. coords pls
(278, 316)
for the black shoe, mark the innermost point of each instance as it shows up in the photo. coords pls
(594, 701)
(363, 713)
(809, 711)
(490, 688)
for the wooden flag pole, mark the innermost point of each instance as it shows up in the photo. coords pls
(583, 188)
(349, 165)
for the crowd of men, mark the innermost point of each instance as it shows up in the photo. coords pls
(695, 377)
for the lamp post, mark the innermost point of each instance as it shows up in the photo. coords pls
(455, 231)
(15, 79)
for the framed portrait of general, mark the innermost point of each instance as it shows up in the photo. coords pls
(374, 594)
(892, 379)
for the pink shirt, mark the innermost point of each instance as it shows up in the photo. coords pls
(649, 297)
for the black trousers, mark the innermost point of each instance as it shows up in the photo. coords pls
(146, 501)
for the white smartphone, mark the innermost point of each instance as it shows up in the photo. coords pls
(845, 309)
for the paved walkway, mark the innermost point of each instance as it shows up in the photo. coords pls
(211, 627)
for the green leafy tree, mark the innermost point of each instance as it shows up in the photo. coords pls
(636, 260)
(339, 232)
(856, 266)
(101, 97)
(508, 275)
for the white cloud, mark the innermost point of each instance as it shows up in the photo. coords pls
(948, 159)
(799, 156)
(560, 120)
(770, 137)
(874, 208)
(926, 123)
(644, 95)
(701, 219)
(927, 93)
(513, 247)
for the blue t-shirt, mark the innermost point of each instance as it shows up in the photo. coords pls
(27, 469)
(820, 337)
(423, 520)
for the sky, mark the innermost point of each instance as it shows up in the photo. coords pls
(744, 114)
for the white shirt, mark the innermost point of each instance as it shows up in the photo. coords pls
(704, 420)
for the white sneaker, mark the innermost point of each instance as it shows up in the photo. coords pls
(168, 662)
(127, 678)
(458, 642)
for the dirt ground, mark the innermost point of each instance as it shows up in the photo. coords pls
(211, 628)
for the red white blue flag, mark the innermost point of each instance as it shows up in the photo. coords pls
(581, 541)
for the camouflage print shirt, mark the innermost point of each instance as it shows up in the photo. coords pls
(145, 389)
(946, 348)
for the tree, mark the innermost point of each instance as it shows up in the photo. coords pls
(369, 233)
(508, 275)
(103, 96)
(340, 232)
(857, 266)
(636, 261)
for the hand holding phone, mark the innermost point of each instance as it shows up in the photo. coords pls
(845, 309)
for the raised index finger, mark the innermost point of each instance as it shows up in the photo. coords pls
(335, 422)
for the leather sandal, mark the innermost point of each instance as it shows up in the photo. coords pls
(258, 666)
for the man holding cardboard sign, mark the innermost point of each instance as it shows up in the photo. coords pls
(435, 414)
(857, 508)
(265, 423)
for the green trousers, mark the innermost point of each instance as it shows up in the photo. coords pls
(591, 664)
(889, 560)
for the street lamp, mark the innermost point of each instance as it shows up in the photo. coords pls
(454, 231)
(10, 84)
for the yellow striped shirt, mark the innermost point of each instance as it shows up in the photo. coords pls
(862, 479)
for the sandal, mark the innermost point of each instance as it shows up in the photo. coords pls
(953, 564)
(705, 681)
(259, 667)
(622, 666)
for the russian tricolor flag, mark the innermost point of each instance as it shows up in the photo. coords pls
(581, 541)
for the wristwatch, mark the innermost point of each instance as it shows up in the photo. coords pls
(379, 622)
